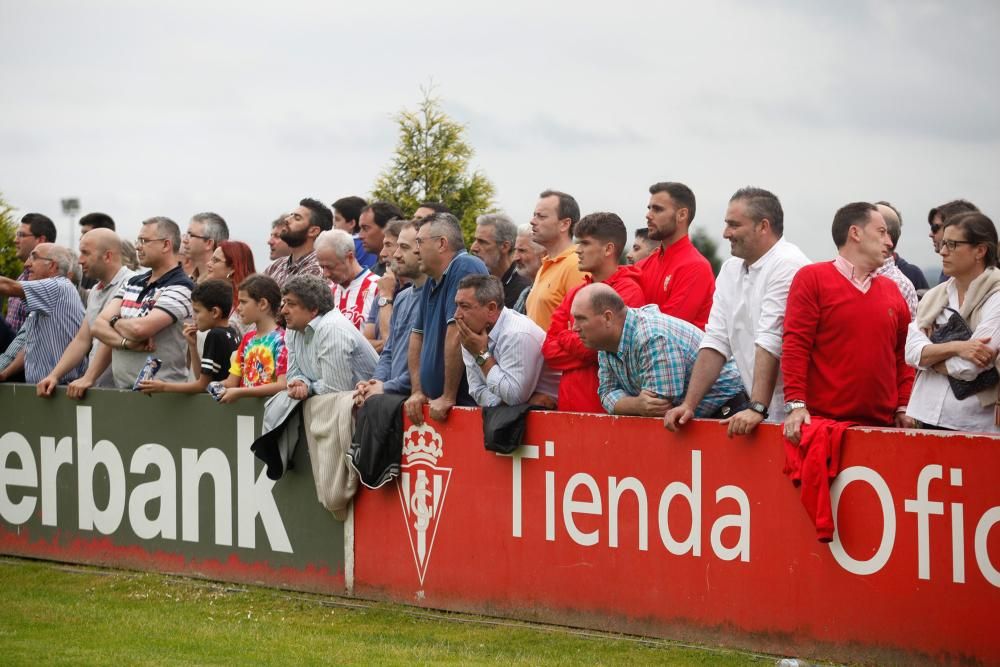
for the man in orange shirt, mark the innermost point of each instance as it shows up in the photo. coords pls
(556, 213)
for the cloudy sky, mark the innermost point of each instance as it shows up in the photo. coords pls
(245, 107)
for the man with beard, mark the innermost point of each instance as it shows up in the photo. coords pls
(494, 244)
(392, 373)
(676, 277)
(301, 227)
(528, 257)
(276, 247)
(748, 313)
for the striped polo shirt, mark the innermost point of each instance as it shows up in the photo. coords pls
(58, 314)
(171, 293)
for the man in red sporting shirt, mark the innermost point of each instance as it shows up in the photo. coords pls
(845, 332)
(676, 277)
(600, 239)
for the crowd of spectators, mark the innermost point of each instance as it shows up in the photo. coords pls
(562, 313)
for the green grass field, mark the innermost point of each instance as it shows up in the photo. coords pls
(61, 614)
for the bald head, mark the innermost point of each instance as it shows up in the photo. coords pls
(599, 317)
(100, 254)
(893, 224)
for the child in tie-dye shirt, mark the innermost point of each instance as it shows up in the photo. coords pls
(260, 363)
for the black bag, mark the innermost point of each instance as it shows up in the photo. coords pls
(956, 329)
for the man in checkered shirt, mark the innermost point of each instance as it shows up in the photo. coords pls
(646, 357)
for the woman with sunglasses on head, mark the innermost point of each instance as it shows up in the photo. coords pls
(954, 339)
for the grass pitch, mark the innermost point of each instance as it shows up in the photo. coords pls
(68, 615)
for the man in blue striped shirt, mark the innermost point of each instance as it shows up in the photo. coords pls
(54, 303)
(646, 357)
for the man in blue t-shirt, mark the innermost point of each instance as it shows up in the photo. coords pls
(437, 371)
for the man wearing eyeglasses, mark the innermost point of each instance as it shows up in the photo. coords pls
(205, 232)
(55, 309)
(437, 372)
(35, 228)
(147, 314)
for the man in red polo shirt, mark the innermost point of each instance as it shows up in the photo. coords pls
(676, 277)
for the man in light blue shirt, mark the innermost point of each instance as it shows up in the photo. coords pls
(326, 353)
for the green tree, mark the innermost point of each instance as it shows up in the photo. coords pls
(431, 163)
(10, 265)
(707, 247)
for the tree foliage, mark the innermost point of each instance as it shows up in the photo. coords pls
(708, 248)
(10, 265)
(431, 163)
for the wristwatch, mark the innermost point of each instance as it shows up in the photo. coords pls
(383, 301)
(794, 405)
(759, 408)
(114, 320)
(483, 357)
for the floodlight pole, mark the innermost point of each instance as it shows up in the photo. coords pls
(70, 207)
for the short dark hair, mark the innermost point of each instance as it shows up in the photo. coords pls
(487, 288)
(313, 291)
(319, 215)
(642, 233)
(97, 221)
(214, 294)
(350, 208)
(978, 229)
(854, 214)
(41, 225)
(762, 204)
(605, 227)
(435, 206)
(953, 207)
(679, 192)
(258, 286)
(568, 208)
(383, 212)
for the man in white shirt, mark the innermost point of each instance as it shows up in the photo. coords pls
(502, 349)
(748, 312)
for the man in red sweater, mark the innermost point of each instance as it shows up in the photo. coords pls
(600, 239)
(845, 332)
(676, 277)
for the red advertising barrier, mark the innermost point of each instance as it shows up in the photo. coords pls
(614, 523)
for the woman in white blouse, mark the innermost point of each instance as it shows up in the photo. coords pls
(969, 259)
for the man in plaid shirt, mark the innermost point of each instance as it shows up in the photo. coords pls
(646, 357)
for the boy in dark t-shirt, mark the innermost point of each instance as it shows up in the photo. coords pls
(211, 301)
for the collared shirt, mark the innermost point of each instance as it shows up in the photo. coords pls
(657, 353)
(355, 301)
(892, 272)
(171, 293)
(848, 270)
(557, 276)
(437, 311)
(329, 354)
(515, 342)
(932, 401)
(393, 370)
(679, 280)
(284, 268)
(17, 310)
(58, 315)
(513, 284)
(748, 311)
(98, 298)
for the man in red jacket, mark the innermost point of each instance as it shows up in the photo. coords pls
(600, 240)
(845, 332)
(676, 277)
